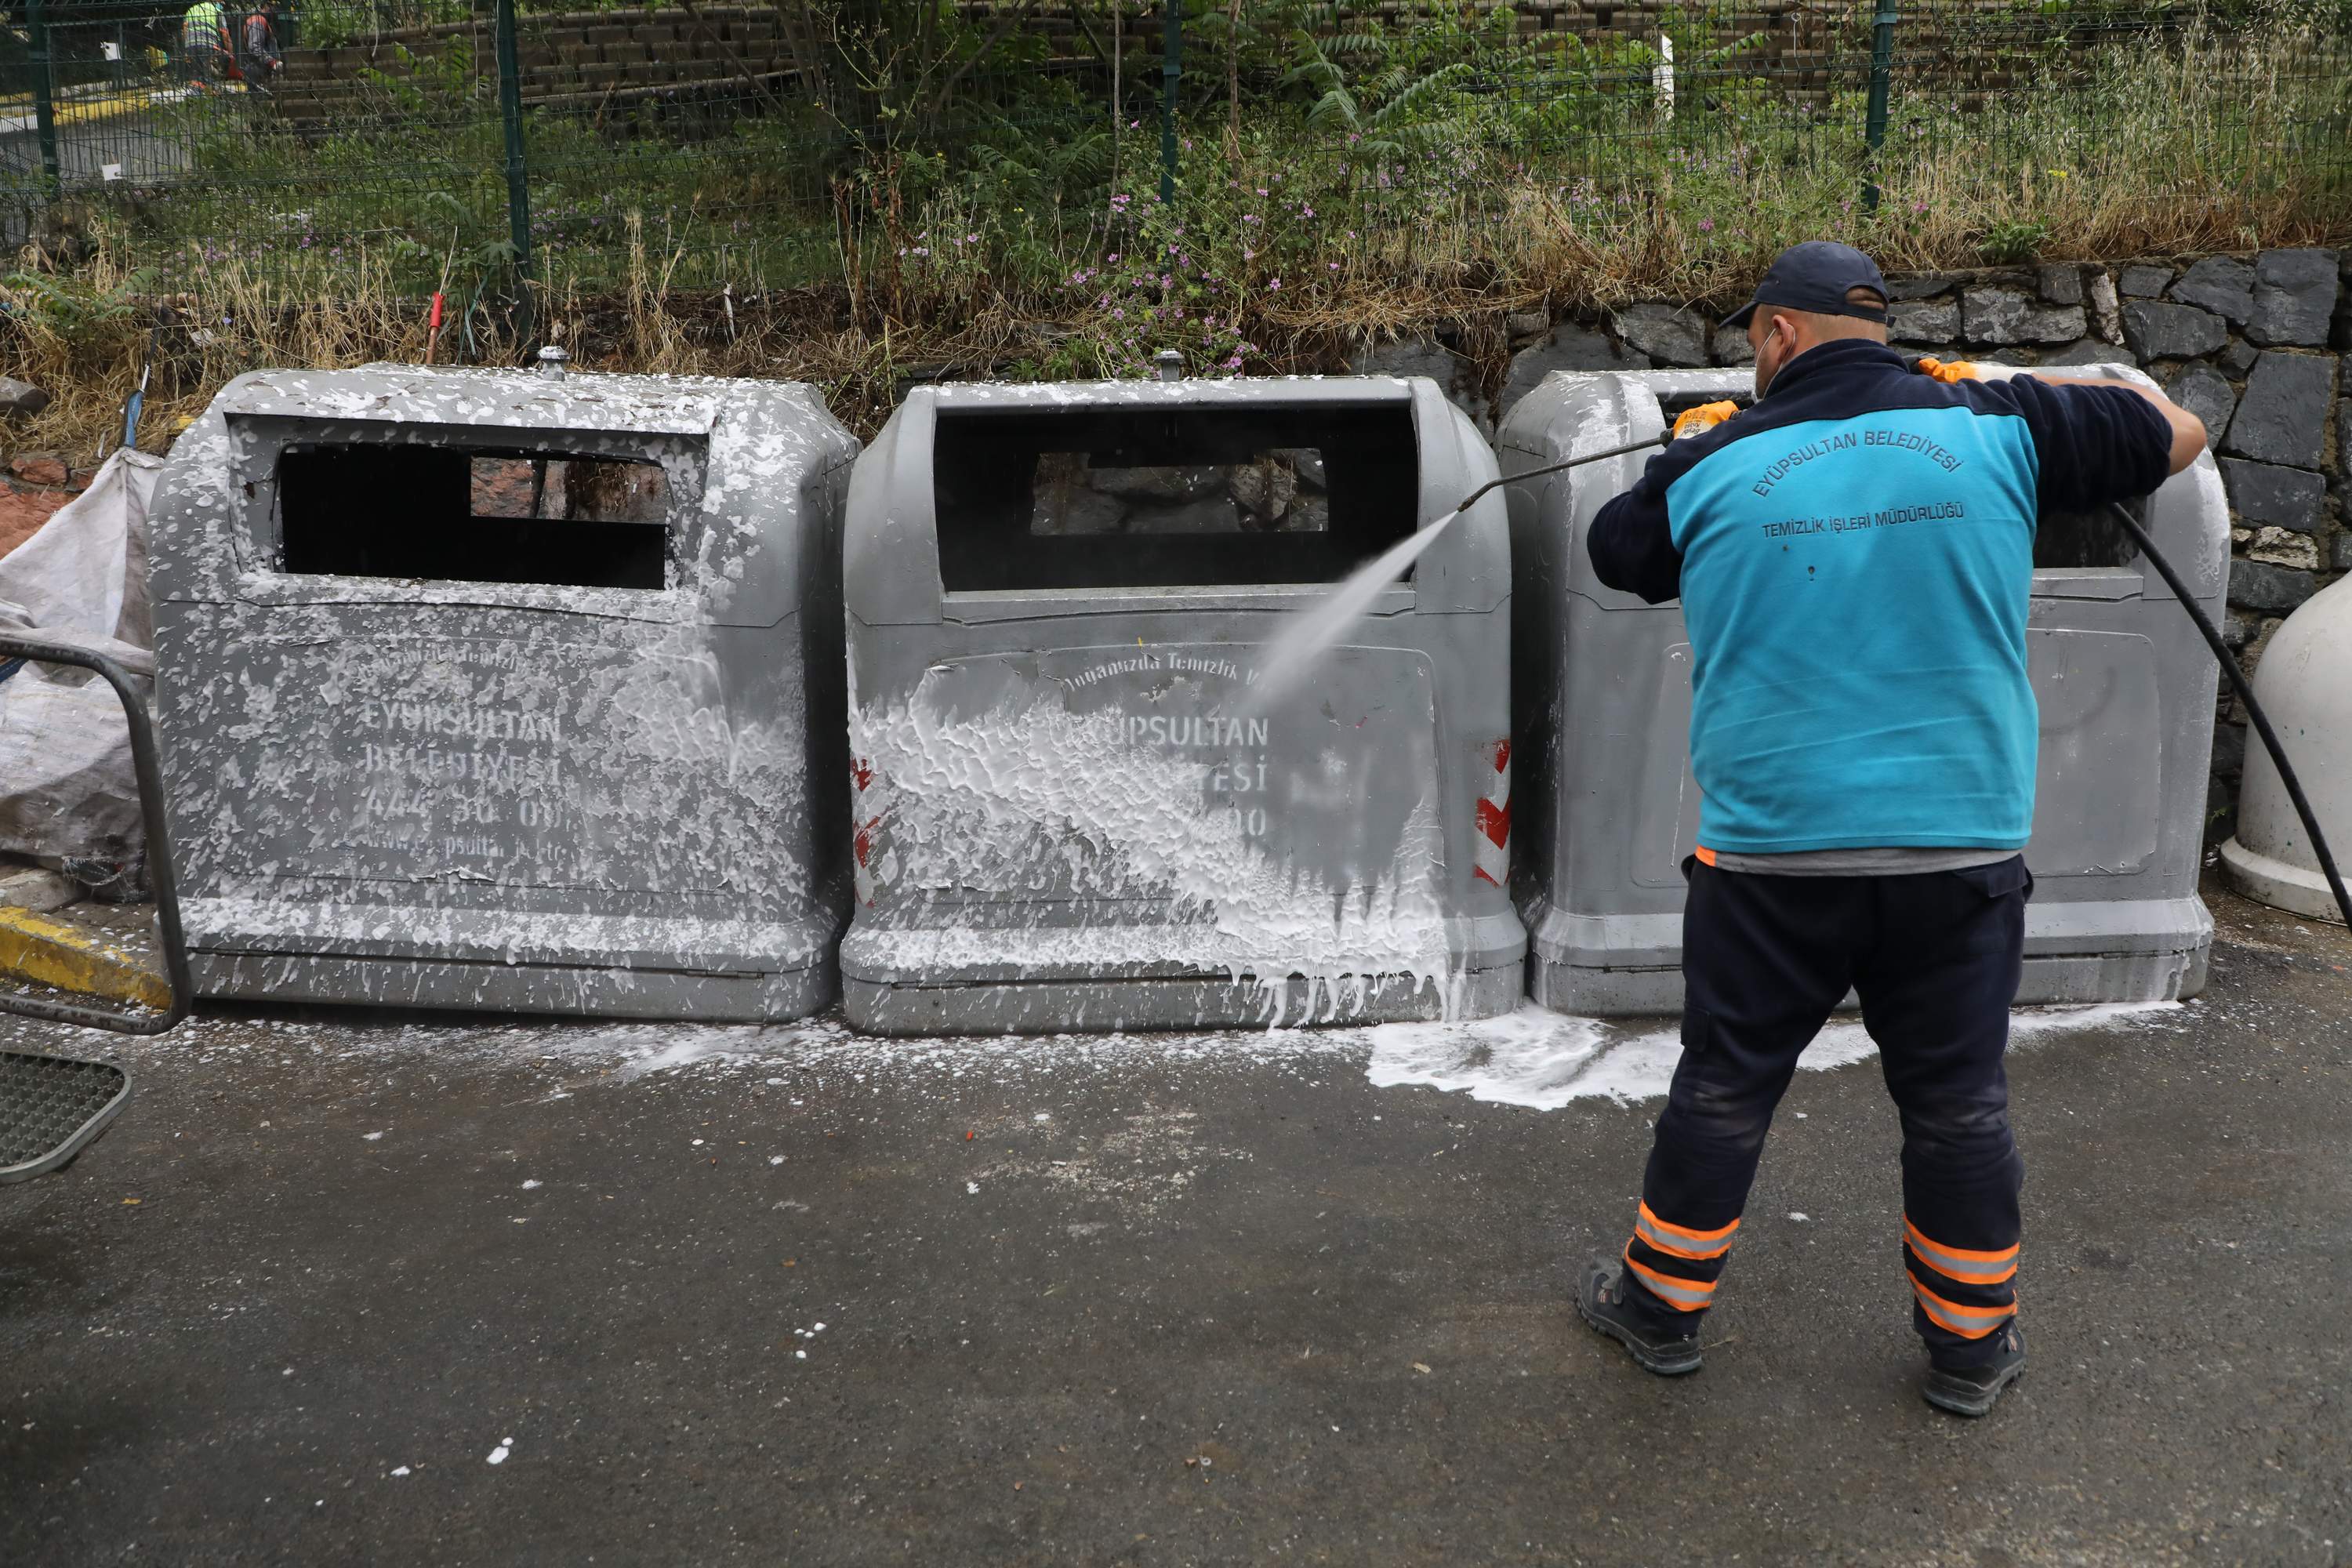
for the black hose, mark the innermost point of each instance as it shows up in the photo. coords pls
(2262, 720)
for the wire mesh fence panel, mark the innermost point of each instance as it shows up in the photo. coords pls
(2203, 102)
(317, 142)
(707, 145)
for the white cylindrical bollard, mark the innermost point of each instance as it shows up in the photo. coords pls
(2305, 683)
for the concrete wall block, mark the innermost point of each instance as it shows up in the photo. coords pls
(2221, 284)
(1669, 335)
(1924, 320)
(2062, 283)
(2295, 298)
(2255, 585)
(2283, 418)
(2228, 749)
(2106, 312)
(2265, 493)
(2283, 547)
(1927, 285)
(1524, 327)
(2087, 351)
(2158, 330)
(2206, 393)
(1455, 375)
(1569, 347)
(2004, 316)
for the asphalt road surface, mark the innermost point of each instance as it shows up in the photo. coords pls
(356, 1289)
(147, 143)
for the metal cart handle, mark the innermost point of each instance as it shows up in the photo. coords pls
(159, 850)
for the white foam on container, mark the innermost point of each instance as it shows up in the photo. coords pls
(965, 802)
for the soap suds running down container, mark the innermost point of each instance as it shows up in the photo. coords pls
(2124, 684)
(492, 690)
(1069, 814)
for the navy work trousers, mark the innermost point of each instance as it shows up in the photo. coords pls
(1936, 958)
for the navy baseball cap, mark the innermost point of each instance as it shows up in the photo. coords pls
(1814, 277)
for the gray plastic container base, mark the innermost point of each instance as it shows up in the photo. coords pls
(557, 990)
(1640, 974)
(997, 1007)
(2077, 979)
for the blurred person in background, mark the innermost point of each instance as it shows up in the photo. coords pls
(207, 53)
(262, 57)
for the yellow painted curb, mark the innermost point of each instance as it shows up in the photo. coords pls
(84, 111)
(43, 952)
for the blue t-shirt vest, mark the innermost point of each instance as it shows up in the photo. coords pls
(1854, 555)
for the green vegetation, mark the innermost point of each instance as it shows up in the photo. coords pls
(948, 195)
(1482, 147)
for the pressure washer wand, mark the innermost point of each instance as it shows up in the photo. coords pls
(2244, 688)
(1475, 497)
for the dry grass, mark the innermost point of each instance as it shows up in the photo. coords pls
(2158, 154)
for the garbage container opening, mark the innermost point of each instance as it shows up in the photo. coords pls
(1279, 490)
(473, 515)
(1162, 498)
(2087, 539)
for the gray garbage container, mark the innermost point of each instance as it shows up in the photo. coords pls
(486, 690)
(1610, 807)
(1069, 812)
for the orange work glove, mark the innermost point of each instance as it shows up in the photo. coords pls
(1949, 370)
(1706, 416)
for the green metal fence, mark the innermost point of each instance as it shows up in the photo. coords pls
(713, 144)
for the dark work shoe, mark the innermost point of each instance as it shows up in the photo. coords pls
(1601, 1300)
(1971, 1390)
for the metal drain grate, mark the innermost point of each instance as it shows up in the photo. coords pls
(51, 1107)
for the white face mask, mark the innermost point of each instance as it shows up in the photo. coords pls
(1765, 385)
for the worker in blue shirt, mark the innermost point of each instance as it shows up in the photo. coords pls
(1854, 555)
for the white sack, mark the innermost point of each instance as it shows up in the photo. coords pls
(68, 789)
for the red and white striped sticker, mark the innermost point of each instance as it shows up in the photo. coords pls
(1493, 843)
(870, 803)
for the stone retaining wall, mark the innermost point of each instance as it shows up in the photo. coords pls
(2250, 344)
